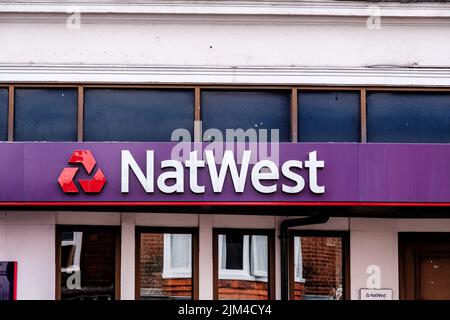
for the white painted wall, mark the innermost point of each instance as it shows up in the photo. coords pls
(228, 42)
(220, 44)
(205, 238)
(127, 253)
(88, 218)
(29, 239)
(233, 39)
(373, 242)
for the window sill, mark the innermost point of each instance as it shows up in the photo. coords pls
(176, 275)
(300, 280)
(243, 277)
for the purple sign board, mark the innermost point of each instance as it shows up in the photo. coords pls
(132, 173)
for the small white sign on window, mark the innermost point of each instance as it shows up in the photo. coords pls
(376, 294)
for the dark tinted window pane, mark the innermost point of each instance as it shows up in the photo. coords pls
(136, 115)
(165, 266)
(3, 114)
(327, 116)
(67, 236)
(408, 117)
(318, 268)
(45, 115)
(234, 249)
(246, 110)
(88, 260)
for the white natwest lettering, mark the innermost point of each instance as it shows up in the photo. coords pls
(228, 161)
(129, 162)
(264, 174)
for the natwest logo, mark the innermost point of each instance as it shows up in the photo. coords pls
(94, 185)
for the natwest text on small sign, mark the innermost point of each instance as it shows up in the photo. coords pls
(376, 294)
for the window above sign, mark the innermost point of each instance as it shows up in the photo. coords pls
(162, 113)
(222, 110)
(408, 117)
(136, 115)
(329, 116)
(48, 114)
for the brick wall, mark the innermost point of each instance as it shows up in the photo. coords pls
(299, 290)
(152, 262)
(322, 266)
(178, 287)
(240, 289)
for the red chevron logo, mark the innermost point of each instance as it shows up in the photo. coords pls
(66, 178)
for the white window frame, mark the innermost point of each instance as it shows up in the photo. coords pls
(256, 269)
(170, 272)
(233, 274)
(298, 260)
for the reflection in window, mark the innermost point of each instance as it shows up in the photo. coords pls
(318, 268)
(243, 266)
(88, 265)
(166, 266)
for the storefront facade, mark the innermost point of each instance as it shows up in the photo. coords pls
(345, 195)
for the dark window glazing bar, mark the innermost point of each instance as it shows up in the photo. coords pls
(197, 115)
(294, 115)
(363, 116)
(80, 113)
(11, 114)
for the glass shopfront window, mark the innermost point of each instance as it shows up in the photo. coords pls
(243, 265)
(319, 270)
(88, 259)
(166, 264)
